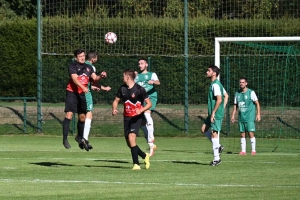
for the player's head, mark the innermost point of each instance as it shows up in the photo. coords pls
(128, 75)
(143, 64)
(92, 56)
(79, 55)
(212, 71)
(243, 82)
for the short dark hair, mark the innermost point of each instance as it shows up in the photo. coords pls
(130, 73)
(215, 69)
(91, 54)
(243, 77)
(78, 51)
(144, 59)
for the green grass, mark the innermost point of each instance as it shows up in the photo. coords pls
(38, 167)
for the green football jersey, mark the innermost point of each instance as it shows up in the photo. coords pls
(246, 105)
(90, 85)
(216, 89)
(142, 79)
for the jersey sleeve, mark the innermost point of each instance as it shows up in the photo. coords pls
(119, 92)
(235, 99)
(154, 77)
(216, 90)
(72, 69)
(253, 96)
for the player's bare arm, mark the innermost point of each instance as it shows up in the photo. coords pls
(235, 107)
(115, 106)
(147, 107)
(156, 82)
(225, 99)
(75, 80)
(258, 118)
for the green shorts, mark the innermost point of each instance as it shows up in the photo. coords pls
(247, 127)
(216, 126)
(89, 101)
(153, 102)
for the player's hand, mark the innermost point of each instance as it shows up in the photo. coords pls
(106, 88)
(95, 88)
(138, 111)
(212, 117)
(151, 82)
(114, 112)
(103, 74)
(258, 118)
(232, 119)
(85, 90)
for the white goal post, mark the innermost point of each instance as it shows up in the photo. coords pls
(218, 40)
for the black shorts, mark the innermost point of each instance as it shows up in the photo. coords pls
(75, 103)
(132, 125)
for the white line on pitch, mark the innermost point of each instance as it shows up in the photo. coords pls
(141, 183)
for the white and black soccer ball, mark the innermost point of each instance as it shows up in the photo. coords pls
(110, 38)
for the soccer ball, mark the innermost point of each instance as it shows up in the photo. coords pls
(110, 37)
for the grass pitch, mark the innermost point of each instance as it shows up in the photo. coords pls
(38, 167)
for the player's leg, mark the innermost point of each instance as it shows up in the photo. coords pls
(88, 119)
(251, 129)
(134, 124)
(205, 129)
(243, 138)
(216, 128)
(150, 131)
(70, 108)
(82, 111)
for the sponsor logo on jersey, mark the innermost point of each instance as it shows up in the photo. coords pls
(133, 95)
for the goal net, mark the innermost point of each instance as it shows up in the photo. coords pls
(271, 66)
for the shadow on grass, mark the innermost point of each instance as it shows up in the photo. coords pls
(184, 151)
(189, 163)
(51, 164)
(112, 161)
(113, 167)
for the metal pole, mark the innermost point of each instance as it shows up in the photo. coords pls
(24, 117)
(39, 68)
(186, 69)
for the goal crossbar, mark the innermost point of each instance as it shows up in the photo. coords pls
(218, 40)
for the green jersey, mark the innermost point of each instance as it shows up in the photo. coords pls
(90, 85)
(216, 89)
(246, 105)
(143, 78)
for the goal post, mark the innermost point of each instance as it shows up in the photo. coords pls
(271, 66)
(219, 40)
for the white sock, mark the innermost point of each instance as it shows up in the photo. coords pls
(144, 128)
(208, 135)
(243, 144)
(215, 148)
(150, 127)
(253, 143)
(87, 127)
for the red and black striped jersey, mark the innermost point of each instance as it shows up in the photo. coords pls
(132, 98)
(84, 72)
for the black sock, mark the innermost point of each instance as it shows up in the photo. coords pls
(66, 126)
(141, 153)
(80, 128)
(134, 154)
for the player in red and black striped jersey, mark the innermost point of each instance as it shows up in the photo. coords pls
(133, 97)
(80, 74)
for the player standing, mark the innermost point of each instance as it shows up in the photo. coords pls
(245, 100)
(217, 100)
(148, 80)
(133, 97)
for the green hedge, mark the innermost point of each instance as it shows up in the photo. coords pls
(19, 47)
